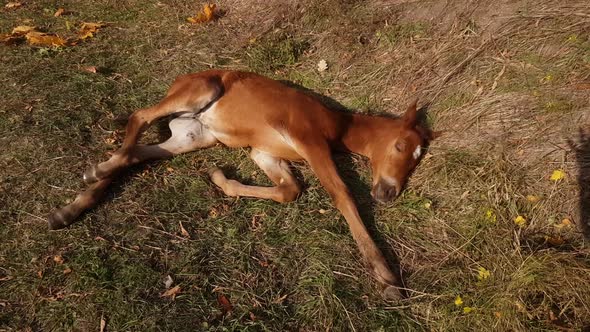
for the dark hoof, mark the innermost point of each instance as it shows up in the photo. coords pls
(90, 175)
(392, 294)
(57, 220)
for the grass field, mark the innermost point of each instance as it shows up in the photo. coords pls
(508, 83)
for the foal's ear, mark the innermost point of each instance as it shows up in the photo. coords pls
(410, 117)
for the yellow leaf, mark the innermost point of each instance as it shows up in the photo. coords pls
(44, 39)
(59, 12)
(564, 223)
(557, 175)
(13, 5)
(483, 273)
(467, 310)
(85, 35)
(458, 300)
(22, 29)
(88, 29)
(206, 15)
(533, 198)
(520, 221)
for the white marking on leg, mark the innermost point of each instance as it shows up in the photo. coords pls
(417, 152)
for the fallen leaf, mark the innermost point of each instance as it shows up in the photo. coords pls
(533, 198)
(554, 240)
(520, 221)
(206, 15)
(183, 231)
(13, 5)
(458, 300)
(563, 224)
(557, 175)
(103, 323)
(467, 310)
(23, 29)
(225, 304)
(322, 211)
(40, 274)
(170, 169)
(483, 273)
(6, 278)
(59, 12)
(322, 65)
(67, 271)
(88, 29)
(172, 292)
(58, 259)
(90, 69)
(498, 314)
(44, 39)
(168, 281)
(252, 316)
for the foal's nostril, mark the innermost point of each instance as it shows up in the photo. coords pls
(391, 192)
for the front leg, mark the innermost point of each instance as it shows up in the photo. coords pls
(319, 157)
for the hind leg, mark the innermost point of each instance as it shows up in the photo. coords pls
(187, 94)
(188, 134)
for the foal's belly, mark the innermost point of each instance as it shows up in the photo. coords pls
(253, 131)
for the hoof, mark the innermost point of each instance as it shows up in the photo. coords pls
(90, 175)
(56, 220)
(392, 294)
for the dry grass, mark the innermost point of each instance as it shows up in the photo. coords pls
(507, 81)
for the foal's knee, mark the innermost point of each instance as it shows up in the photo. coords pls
(287, 193)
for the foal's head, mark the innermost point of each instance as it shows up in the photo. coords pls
(397, 152)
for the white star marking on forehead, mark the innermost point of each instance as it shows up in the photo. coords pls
(417, 152)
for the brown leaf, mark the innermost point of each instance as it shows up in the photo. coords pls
(183, 231)
(44, 39)
(13, 5)
(555, 240)
(225, 304)
(172, 292)
(40, 273)
(252, 316)
(6, 278)
(90, 69)
(59, 12)
(58, 259)
(67, 271)
(103, 323)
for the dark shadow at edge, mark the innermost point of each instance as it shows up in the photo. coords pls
(581, 148)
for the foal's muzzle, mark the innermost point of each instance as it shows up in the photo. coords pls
(385, 191)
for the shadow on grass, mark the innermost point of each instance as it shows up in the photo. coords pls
(581, 147)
